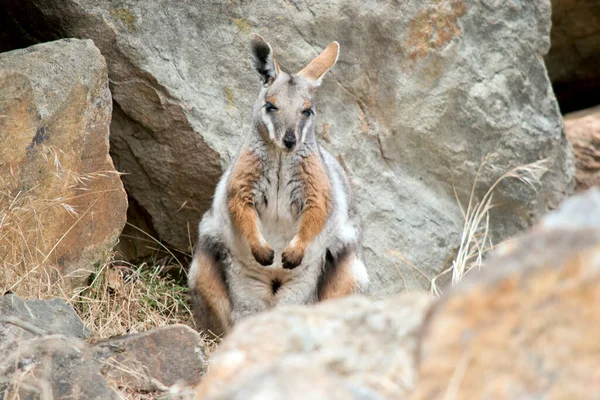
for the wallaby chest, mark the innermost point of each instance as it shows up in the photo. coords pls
(279, 200)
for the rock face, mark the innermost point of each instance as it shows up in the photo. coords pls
(421, 93)
(524, 327)
(583, 130)
(574, 58)
(52, 367)
(360, 345)
(527, 326)
(42, 355)
(295, 379)
(153, 360)
(55, 111)
(49, 316)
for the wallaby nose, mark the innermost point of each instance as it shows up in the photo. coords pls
(289, 140)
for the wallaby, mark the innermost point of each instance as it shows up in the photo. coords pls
(283, 227)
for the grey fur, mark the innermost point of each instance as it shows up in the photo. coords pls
(279, 201)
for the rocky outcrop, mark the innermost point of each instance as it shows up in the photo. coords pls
(574, 58)
(48, 317)
(421, 93)
(358, 344)
(295, 379)
(583, 130)
(154, 360)
(55, 112)
(43, 354)
(525, 326)
(52, 367)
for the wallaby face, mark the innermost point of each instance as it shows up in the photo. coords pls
(283, 227)
(284, 111)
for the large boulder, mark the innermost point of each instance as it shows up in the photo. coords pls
(422, 92)
(295, 379)
(527, 326)
(67, 202)
(153, 360)
(51, 367)
(53, 316)
(42, 354)
(583, 130)
(359, 344)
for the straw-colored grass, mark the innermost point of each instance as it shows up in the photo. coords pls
(120, 298)
(124, 298)
(475, 240)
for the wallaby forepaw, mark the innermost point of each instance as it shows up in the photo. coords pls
(264, 255)
(292, 257)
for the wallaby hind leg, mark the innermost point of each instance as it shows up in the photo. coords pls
(343, 274)
(210, 300)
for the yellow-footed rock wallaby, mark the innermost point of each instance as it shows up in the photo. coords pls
(283, 227)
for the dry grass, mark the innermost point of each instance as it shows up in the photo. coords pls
(124, 298)
(120, 298)
(475, 241)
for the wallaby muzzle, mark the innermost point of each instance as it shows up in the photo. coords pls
(289, 140)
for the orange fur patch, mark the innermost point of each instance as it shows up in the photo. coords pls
(213, 291)
(240, 203)
(272, 100)
(244, 176)
(321, 64)
(317, 197)
(307, 104)
(342, 282)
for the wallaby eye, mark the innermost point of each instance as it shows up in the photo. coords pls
(308, 112)
(270, 107)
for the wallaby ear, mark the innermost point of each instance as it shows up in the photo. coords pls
(263, 60)
(322, 63)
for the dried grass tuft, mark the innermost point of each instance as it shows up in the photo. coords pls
(125, 298)
(120, 298)
(475, 240)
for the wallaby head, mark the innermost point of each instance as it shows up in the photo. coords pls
(284, 111)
